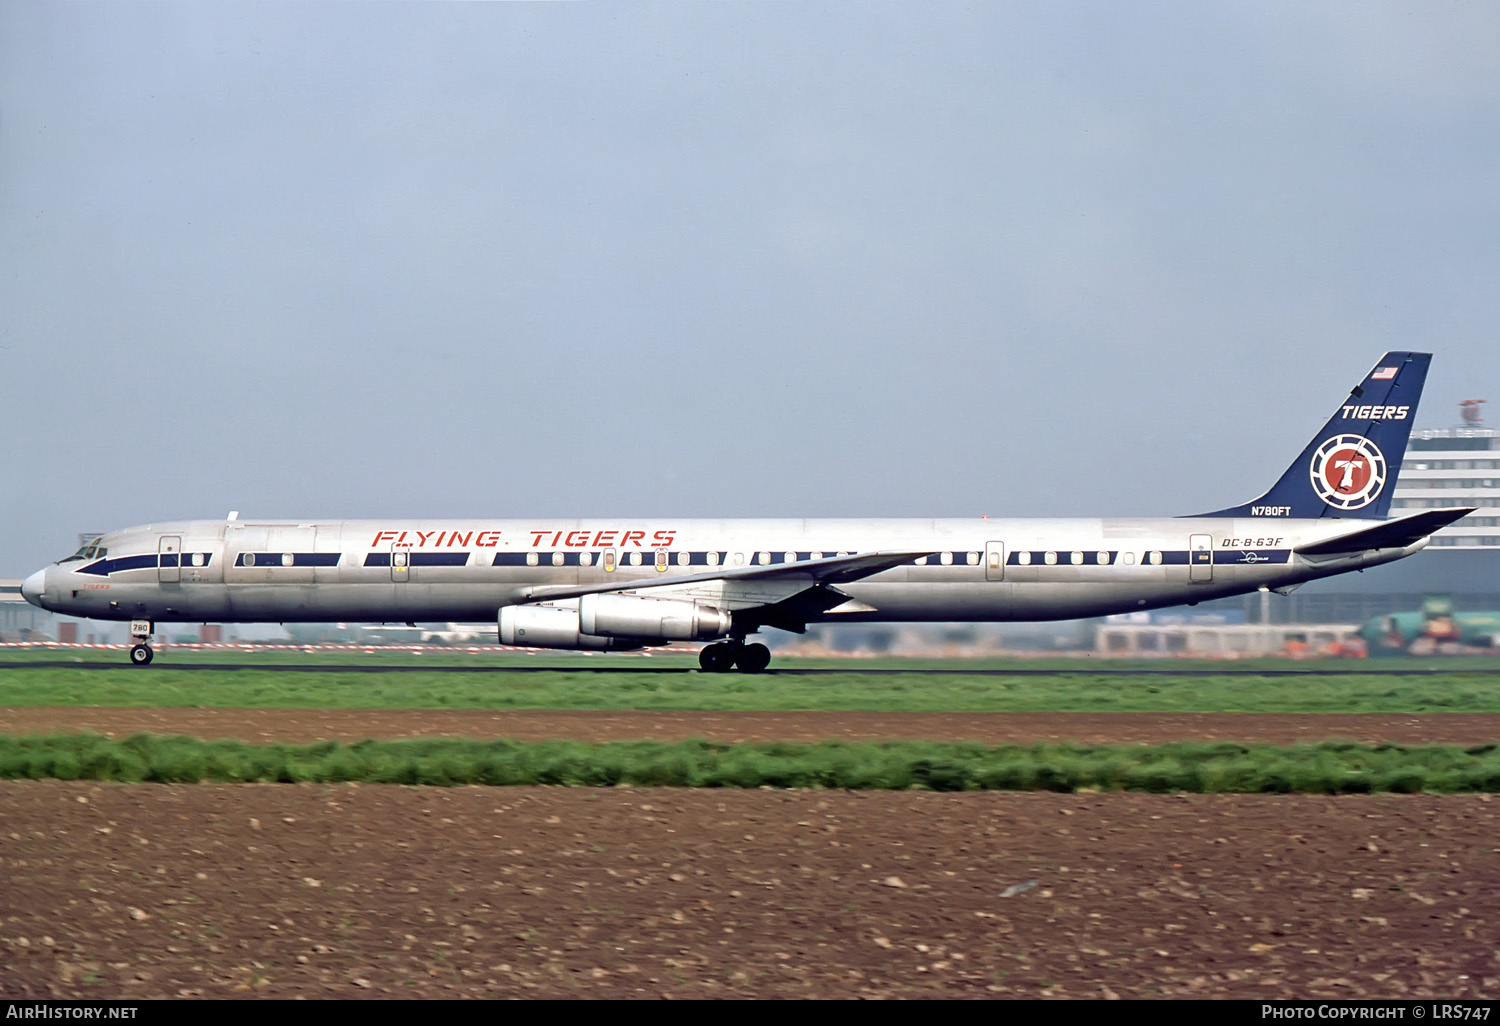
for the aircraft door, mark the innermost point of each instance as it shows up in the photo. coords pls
(202, 558)
(291, 552)
(242, 546)
(169, 559)
(994, 561)
(1200, 558)
(400, 563)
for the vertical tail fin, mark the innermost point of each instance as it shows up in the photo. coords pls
(1349, 468)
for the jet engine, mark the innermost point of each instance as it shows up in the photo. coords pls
(634, 616)
(611, 622)
(550, 627)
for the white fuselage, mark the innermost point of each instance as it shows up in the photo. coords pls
(466, 570)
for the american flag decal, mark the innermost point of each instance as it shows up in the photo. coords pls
(1383, 374)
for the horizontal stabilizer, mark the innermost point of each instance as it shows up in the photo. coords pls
(1393, 534)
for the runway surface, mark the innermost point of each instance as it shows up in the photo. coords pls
(1320, 670)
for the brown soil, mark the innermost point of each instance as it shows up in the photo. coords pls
(305, 725)
(142, 891)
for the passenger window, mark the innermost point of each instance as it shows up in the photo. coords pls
(1023, 558)
(197, 559)
(1077, 559)
(764, 559)
(973, 559)
(1103, 558)
(1156, 559)
(1050, 559)
(921, 561)
(739, 559)
(247, 559)
(287, 559)
(790, 557)
(713, 559)
(817, 555)
(684, 558)
(558, 558)
(531, 559)
(635, 559)
(946, 559)
(585, 558)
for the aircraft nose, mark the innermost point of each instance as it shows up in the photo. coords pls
(33, 586)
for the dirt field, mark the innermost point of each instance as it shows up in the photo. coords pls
(342, 891)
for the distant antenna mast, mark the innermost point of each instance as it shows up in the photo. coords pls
(1470, 410)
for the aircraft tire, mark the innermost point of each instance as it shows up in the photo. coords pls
(716, 658)
(753, 658)
(141, 655)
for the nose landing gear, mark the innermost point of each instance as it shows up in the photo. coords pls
(723, 656)
(140, 633)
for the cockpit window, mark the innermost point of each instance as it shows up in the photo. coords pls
(89, 550)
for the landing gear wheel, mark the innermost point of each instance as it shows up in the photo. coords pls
(716, 658)
(753, 658)
(140, 655)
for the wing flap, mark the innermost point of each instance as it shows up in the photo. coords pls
(749, 585)
(1392, 534)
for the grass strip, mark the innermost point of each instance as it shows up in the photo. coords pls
(657, 661)
(1333, 767)
(851, 691)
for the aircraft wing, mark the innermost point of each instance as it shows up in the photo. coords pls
(1392, 534)
(748, 587)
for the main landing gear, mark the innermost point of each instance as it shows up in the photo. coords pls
(140, 633)
(722, 656)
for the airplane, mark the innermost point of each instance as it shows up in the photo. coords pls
(630, 584)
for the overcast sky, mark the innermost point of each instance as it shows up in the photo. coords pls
(515, 260)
